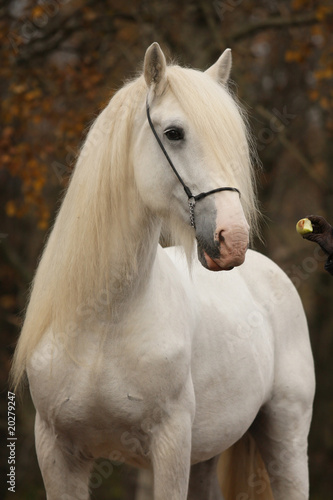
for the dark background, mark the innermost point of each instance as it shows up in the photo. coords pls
(62, 60)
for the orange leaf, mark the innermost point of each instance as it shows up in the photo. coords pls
(10, 208)
(324, 74)
(314, 94)
(33, 94)
(293, 56)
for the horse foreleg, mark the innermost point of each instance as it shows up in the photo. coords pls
(203, 481)
(171, 456)
(65, 476)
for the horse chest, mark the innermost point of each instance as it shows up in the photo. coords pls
(109, 404)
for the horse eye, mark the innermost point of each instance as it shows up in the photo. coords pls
(174, 134)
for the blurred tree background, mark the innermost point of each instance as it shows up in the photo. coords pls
(62, 60)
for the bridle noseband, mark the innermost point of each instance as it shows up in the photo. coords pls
(192, 199)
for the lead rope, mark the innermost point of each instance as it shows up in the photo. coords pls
(191, 199)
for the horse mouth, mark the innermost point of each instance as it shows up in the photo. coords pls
(212, 265)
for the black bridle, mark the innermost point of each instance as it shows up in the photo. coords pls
(191, 198)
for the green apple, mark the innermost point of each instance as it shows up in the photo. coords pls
(304, 226)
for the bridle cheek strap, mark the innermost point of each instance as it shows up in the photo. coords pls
(192, 199)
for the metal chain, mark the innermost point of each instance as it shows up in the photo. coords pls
(191, 204)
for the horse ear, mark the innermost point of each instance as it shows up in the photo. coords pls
(220, 71)
(155, 68)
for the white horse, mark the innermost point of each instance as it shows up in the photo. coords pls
(138, 354)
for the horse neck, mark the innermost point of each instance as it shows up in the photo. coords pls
(93, 267)
(127, 251)
(121, 232)
(132, 258)
(100, 254)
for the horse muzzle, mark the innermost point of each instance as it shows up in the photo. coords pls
(226, 250)
(222, 232)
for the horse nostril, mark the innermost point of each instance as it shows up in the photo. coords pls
(221, 237)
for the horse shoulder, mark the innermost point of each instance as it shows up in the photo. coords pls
(271, 285)
(293, 360)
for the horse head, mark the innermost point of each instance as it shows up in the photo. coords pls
(199, 150)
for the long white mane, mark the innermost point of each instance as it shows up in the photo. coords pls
(92, 225)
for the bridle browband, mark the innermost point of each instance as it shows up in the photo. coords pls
(191, 198)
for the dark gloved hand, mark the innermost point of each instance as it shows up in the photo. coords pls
(322, 233)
